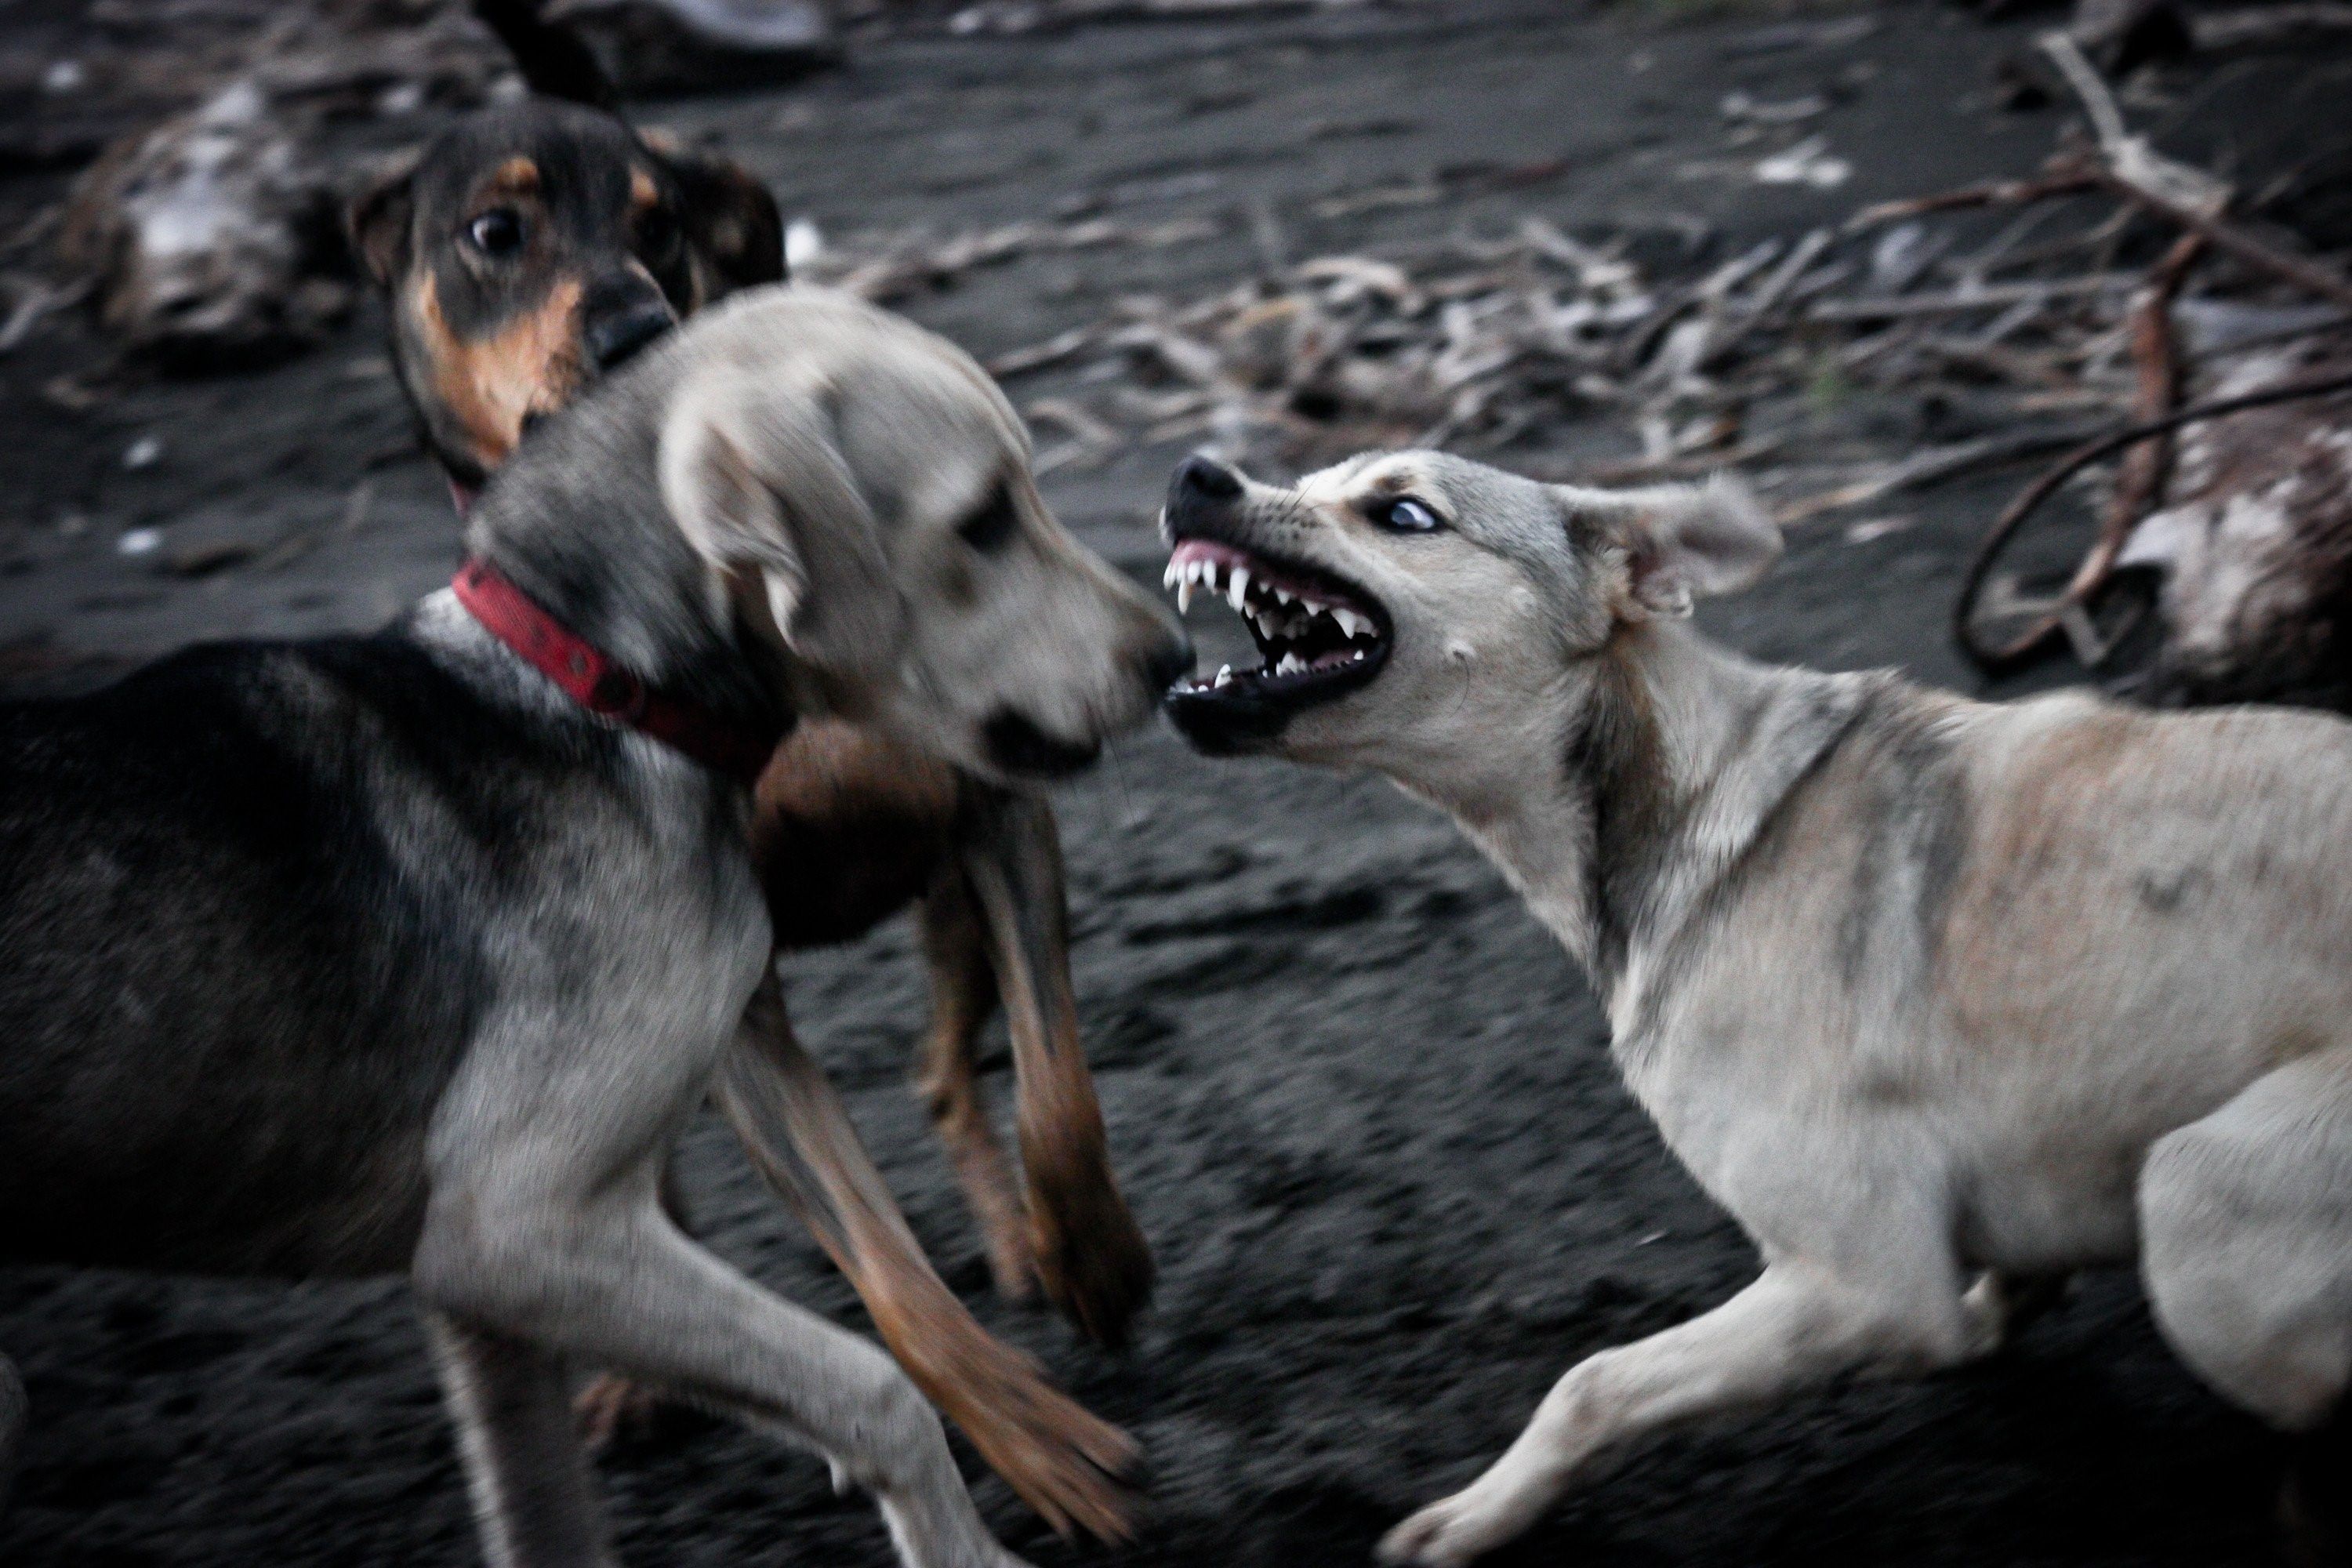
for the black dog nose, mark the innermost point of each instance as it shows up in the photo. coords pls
(620, 316)
(1206, 478)
(614, 341)
(1169, 662)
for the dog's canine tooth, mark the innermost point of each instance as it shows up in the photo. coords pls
(1351, 623)
(1184, 597)
(1237, 587)
(1169, 578)
(1225, 674)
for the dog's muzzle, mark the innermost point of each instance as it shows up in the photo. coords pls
(1319, 636)
(619, 317)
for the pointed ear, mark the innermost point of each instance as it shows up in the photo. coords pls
(730, 220)
(376, 222)
(1683, 542)
(754, 480)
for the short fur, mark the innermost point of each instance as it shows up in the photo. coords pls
(851, 827)
(1935, 996)
(444, 963)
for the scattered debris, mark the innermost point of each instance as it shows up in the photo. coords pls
(1015, 17)
(1809, 163)
(2255, 543)
(210, 240)
(889, 268)
(2253, 539)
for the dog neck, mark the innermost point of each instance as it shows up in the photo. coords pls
(575, 518)
(1669, 756)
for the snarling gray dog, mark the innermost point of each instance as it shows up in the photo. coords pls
(415, 952)
(1935, 996)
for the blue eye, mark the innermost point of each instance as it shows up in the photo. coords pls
(1407, 515)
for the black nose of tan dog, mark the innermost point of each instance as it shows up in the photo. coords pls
(1200, 478)
(620, 316)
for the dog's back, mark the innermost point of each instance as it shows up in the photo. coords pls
(211, 866)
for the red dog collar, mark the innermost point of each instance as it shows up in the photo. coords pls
(604, 688)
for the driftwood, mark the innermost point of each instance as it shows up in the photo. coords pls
(2254, 544)
(211, 239)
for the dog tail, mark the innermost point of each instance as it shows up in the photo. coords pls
(555, 62)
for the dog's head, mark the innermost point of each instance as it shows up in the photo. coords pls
(1414, 608)
(527, 249)
(860, 493)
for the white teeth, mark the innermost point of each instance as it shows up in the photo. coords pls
(1225, 674)
(1356, 654)
(1284, 595)
(1291, 665)
(1184, 597)
(1350, 622)
(1238, 587)
(1167, 579)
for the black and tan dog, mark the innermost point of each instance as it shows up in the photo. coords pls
(521, 254)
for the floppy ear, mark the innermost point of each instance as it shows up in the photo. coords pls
(1684, 541)
(377, 220)
(730, 218)
(755, 483)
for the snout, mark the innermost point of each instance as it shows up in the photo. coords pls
(1059, 726)
(1201, 489)
(619, 316)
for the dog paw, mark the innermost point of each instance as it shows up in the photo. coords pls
(1091, 1258)
(1450, 1533)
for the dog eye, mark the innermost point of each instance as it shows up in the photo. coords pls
(497, 232)
(1406, 515)
(987, 529)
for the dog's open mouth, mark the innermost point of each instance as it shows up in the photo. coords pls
(1319, 637)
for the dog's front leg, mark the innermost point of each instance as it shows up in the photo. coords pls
(1794, 1328)
(1091, 1256)
(544, 1225)
(524, 1463)
(1063, 1460)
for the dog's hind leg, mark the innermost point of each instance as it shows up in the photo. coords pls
(2246, 1242)
(2246, 1247)
(964, 998)
(524, 1466)
(1797, 1327)
(1063, 1460)
(1090, 1254)
(14, 1413)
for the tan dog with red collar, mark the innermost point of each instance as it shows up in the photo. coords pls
(527, 252)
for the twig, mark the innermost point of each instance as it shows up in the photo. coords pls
(2059, 181)
(1938, 463)
(1992, 296)
(1992, 660)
